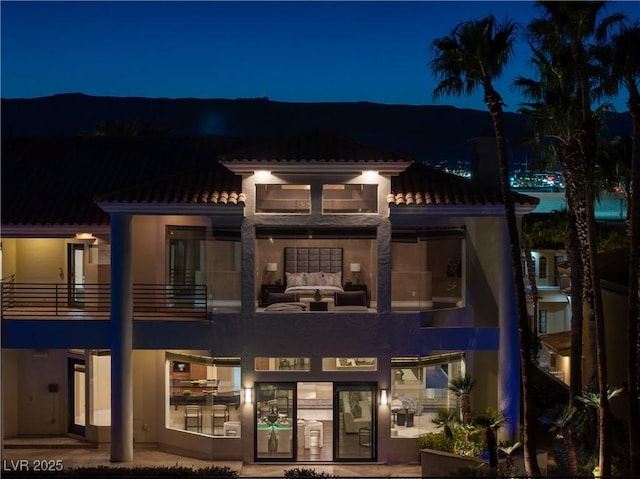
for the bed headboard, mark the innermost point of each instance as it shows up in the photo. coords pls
(309, 260)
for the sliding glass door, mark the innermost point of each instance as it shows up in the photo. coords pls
(315, 421)
(355, 414)
(275, 421)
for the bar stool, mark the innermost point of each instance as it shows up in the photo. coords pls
(193, 413)
(219, 415)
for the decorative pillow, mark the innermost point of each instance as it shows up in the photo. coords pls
(351, 298)
(315, 279)
(332, 279)
(296, 279)
(273, 298)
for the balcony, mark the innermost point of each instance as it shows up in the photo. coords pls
(93, 301)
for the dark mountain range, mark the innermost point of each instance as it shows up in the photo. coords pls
(432, 134)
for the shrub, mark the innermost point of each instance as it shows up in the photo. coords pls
(466, 448)
(302, 472)
(436, 440)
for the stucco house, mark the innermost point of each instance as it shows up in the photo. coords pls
(292, 299)
(554, 320)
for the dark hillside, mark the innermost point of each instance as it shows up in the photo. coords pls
(431, 134)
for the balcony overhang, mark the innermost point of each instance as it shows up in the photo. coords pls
(224, 210)
(53, 231)
(295, 167)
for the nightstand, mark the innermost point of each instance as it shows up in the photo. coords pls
(358, 287)
(269, 288)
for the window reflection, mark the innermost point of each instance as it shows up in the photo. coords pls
(419, 389)
(204, 394)
(427, 269)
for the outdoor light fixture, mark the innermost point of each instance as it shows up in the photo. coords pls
(262, 174)
(370, 175)
(248, 395)
(383, 397)
(85, 236)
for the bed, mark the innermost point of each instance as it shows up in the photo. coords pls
(308, 270)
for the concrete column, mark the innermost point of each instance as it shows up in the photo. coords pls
(121, 339)
(509, 352)
(383, 298)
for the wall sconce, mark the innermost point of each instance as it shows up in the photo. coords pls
(271, 271)
(85, 236)
(248, 395)
(355, 268)
(383, 397)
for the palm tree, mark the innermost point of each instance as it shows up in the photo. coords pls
(553, 114)
(461, 387)
(562, 424)
(444, 418)
(622, 67)
(490, 420)
(614, 168)
(567, 30)
(470, 58)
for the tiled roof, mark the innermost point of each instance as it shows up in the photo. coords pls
(421, 185)
(315, 146)
(559, 342)
(213, 185)
(54, 181)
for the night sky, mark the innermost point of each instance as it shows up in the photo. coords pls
(286, 51)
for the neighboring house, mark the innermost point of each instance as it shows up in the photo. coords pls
(554, 315)
(300, 299)
(554, 311)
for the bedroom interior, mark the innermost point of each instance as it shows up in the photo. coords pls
(315, 263)
(426, 270)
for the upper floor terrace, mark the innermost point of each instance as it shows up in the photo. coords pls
(92, 301)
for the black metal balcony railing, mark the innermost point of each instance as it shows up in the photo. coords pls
(93, 301)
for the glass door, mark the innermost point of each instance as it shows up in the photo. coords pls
(77, 395)
(314, 412)
(275, 421)
(355, 414)
(75, 275)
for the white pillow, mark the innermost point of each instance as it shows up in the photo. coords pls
(294, 279)
(333, 279)
(315, 279)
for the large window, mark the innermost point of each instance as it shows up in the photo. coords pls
(427, 268)
(340, 264)
(100, 387)
(349, 364)
(203, 394)
(283, 199)
(349, 198)
(419, 389)
(282, 364)
(203, 264)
